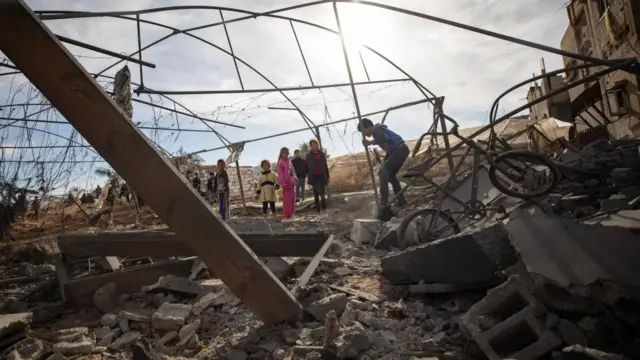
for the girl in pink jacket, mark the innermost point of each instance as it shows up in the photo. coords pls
(287, 179)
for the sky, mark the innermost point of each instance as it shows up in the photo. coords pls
(470, 70)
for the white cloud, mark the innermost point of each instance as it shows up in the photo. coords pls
(470, 70)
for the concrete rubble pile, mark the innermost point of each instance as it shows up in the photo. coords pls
(605, 178)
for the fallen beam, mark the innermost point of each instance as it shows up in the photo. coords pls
(78, 293)
(25, 40)
(165, 243)
(313, 265)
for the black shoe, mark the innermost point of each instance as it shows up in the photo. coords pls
(385, 213)
(402, 202)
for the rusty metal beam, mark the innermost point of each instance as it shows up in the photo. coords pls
(165, 243)
(79, 292)
(25, 40)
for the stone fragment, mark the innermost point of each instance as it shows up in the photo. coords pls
(14, 323)
(131, 316)
(27, 349)
(210, 299)
(85, 346)
(583, 353)
(189, 329)
(331, 328)
(197, 267)
(176, 284)
(387, 236)
(291, 336)
(142, 350)
(106, 298)
(363, 231)
(57, 356)
(35, 270)
(467, 258)
(352, 342)
(109, 320)
(71, 334)
(102, 332)
(279, 267)
(125, 340)
(168, 337)
(342, 271)
(170, 316)
(318, 309)
(124, 325)
(108, 339)
(188, 342)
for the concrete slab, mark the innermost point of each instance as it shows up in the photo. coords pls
(467, 258)
(628, 219)
(571, 253)
(14, 323)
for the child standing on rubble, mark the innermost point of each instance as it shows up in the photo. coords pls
(267, 186)
(288, 180)
(222, 188)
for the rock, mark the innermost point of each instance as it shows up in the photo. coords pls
(109, 320)
(387, 236)
(71, 335)
(551, 321)
(28, 269)
(124, 325)
(168, 337)
(109, 338)
(279, 267)
(571, 333)
(197, 267)
(579, 352)
(131, 316)
(342, 271)
(170, 316)
(125, 340)
(188, 342)
(319, 309)
(189, 329)
(237, 355)
(142, 350)
(176, 284)
(85, 346)
(314, 355)
(363, 231)
(279, 354)
(102, 332)
(106, 298)
(467, 258)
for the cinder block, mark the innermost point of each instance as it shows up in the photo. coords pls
(509, 323)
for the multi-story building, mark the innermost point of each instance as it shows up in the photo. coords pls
(606, 29)
(558, 107)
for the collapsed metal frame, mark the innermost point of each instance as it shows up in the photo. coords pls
(439, 118)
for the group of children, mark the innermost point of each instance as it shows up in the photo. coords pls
(292, 176)
(218, 189)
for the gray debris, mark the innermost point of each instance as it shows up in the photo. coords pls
(106, 298)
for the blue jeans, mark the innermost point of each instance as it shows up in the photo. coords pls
(302, 182)
(387, 174)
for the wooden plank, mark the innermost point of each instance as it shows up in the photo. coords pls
(26, 41)
(79, 292)
(164, 243)
(311, 268)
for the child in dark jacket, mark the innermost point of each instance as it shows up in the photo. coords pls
(318, 174)
(222, 188)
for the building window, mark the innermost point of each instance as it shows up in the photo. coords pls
(603, 5)
(618, 102)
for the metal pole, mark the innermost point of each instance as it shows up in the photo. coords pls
(355, 101)
(304, 60)
(139, 50)
(235, 62)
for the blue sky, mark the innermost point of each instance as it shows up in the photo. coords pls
(470, 70)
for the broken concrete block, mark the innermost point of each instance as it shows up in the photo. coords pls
(509, 323)
(614, 203)
(170, 316)
(123, 324)
(210, 299)
(189, 342)
(33, 270)
(363, 231)
(342, 271)
(125, 340)
(106, 298)
(56, 356)
(466, 258)
(352, 342)
(197, 267)
(571, 333)
(168, 337)
(387, 236)
(102, 332)
(109, 320)
(318, 309)
(279, 267)
(85, 346)
(27, 349)
(579, 352)
(131, 316)
(175, 284)
(71, 334)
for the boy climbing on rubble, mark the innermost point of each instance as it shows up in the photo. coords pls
(396, 152)
(222, 188)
